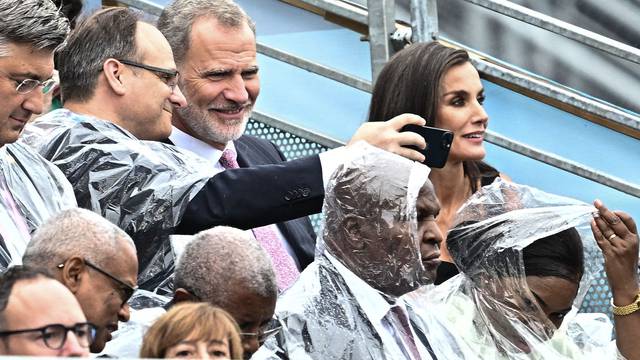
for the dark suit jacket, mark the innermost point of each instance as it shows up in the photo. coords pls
(257, 195)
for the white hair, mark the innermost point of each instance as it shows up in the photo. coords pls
(75, 232)
(219, 259)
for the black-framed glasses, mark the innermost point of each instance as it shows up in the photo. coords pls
(55, 335)
(28, 85)
(266, 331)
(168, 76)
(126, 289)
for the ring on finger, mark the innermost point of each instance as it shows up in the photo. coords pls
(614, 220)
(611, 236)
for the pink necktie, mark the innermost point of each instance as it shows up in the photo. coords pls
(286, 270)
(400, 322)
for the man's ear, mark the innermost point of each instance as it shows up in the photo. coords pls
(113, 71)
(352, 224)
(183, 295)
(73, 272)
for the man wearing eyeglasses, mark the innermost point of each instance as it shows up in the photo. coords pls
(31, 188)
(227, 268)
(95, 260)
(118, 81)
(40, 317)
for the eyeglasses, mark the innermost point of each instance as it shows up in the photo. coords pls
(28, 85)
(55, 335)
(168, 76)
(266, 331)
(126, 289)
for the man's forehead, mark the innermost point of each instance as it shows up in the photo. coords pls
(212, 39)
(153, 47)
(44, 300)
(250, 306)
(427, 199)
(125, 265)
(23, 61)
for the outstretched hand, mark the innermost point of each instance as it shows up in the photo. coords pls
(617, 237)
(387, 136)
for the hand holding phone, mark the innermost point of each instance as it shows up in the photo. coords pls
(438, 144)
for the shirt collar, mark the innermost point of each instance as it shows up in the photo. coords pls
(370, 300)
(183, 140)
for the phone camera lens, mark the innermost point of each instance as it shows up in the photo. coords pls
(447, 140)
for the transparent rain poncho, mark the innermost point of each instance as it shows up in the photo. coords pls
(370, 228)
(144, 308)
(488, 311)
(38, 189)
(141, 186)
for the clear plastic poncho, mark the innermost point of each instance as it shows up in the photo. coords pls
(37, 190)
(370, 228)
(488, 310)
(141, 186)
(145, 308)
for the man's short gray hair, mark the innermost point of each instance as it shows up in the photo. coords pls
(75, 232)
(37, 23)
(221, 259)
(177, 19)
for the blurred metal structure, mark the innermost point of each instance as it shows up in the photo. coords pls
(380, 19)
(562, 28)
(424, 20)
(381, 24)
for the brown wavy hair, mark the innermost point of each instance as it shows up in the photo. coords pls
(200, 321)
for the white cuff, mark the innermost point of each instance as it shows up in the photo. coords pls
(329, 162)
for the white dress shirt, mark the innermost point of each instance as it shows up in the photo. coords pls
(376, 308)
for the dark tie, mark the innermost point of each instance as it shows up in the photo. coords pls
(285, 267)
(398, 318)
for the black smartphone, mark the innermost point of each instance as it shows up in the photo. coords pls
(438, 144)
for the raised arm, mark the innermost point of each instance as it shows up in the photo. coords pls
(617, 237)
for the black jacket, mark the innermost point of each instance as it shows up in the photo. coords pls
(265, 190)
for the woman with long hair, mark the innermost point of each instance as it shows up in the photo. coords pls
(440, 84)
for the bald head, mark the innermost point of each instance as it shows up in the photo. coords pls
(149, 41)
(222, 259)
(81, 233)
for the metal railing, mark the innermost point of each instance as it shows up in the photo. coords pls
(428, 29)
(491, 137)
(296, 130)
(529, 82)
(504, 7)
(322, 70)
(561, 28)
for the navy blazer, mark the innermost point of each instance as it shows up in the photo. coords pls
(266, 189)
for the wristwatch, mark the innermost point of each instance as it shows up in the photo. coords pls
(628, 309)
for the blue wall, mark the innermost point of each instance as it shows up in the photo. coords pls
(337, 110)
